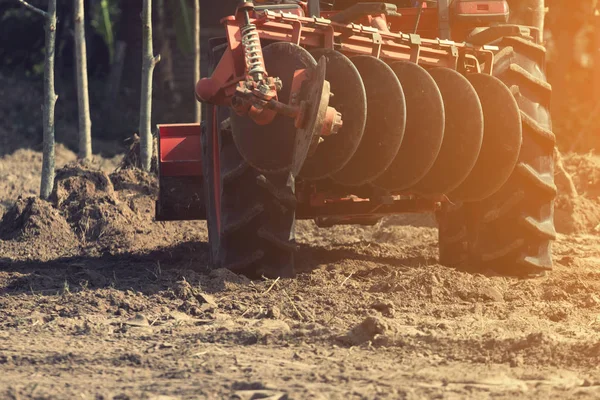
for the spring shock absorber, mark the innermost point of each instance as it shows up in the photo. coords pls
(255, 63)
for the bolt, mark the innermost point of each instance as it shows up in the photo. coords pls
(294, 98)
(278, 84)
(337, 123)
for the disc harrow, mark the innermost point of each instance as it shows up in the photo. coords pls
(357, 117)
(393, 110)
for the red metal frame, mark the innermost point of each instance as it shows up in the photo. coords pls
(180, 150)
(348, 38)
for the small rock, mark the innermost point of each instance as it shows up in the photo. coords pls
(557, 315)
(566, 260)
(591, 300)
(492, 294)
(265, 327)
(138, 320)
(517, 361)
(183, 290)
(179, 316)
(382, 341)
(385, 307)
(226, 275)
(259, 394)
(365, 331)
(190, 308)
(204, 298)
(274, 312)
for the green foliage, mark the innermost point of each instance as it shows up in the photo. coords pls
(105, 16)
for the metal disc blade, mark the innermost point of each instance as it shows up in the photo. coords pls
(350, 99)
(424, 128)
(316, 94)
(502, 140)
(386, 122)
(463, 134)
(268, 148)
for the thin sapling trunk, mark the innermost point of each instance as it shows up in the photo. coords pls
(83, 100)
(50, 97)
(149, 61)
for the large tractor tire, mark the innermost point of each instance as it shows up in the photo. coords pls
(250, 231)
(511, 232)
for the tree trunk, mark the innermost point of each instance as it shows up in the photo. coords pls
(50, 98)
(197, 56)
(149, 61)
(83, 99)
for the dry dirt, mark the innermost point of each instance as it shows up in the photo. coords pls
(98, 301)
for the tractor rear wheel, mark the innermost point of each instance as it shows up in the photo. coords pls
(250, 231)
(511, 232)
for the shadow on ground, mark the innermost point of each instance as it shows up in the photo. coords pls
(160, 269)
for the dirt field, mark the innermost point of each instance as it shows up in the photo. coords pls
(99, 302)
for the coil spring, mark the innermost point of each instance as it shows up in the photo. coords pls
(253, 52)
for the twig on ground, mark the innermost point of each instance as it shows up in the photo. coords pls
(293, 305)
(346, 280)
(271, 287)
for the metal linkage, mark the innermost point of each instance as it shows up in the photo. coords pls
(256, 96)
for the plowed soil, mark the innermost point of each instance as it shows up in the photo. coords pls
(98, 301)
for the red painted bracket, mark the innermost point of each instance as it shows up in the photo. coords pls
(180, 150)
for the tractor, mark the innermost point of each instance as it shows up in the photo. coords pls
(346, 112)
